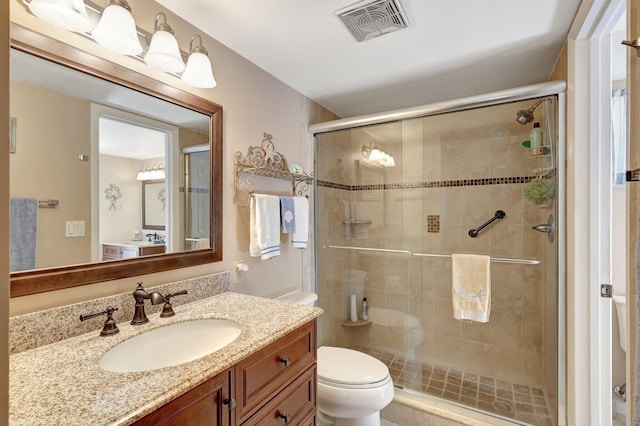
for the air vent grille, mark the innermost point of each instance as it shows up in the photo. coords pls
(369, 19)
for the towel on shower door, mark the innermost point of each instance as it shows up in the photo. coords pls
(23, 241)
(264, 226)
(471, 287)
(300, 237)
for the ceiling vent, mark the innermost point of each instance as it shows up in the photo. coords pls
(369, 19)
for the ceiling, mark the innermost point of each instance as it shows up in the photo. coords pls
(451, 49)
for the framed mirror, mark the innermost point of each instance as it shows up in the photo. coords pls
(107, 194)
(154, 204)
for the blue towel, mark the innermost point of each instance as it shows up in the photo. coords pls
(287, 215)
(23, 222)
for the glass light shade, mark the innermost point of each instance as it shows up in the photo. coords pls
(68, 14)
(164, 53)
(117, 31)
(198, 71)
(375, 155)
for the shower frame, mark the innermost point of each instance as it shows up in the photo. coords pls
(555, 88)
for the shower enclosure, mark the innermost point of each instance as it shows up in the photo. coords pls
(395, 199)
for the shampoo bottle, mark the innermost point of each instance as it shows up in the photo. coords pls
(536, 136)
(365, 309)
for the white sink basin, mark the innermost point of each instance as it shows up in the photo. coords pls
(171, 345)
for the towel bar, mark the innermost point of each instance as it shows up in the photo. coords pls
(48, 203)
(435, 255)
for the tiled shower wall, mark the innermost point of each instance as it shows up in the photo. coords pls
(452, 173)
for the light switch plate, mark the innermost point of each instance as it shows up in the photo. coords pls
(74, 228)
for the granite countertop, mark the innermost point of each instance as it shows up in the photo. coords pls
(62, 383)
(143, 243)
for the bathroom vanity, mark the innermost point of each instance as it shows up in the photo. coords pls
(267, 375)
(276, 385)
(112, 251)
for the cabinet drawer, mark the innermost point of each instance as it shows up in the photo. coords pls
(110, 252)
(263, 374)
(146, 251)
(295, 405)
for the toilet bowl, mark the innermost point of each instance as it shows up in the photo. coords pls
(352, 386)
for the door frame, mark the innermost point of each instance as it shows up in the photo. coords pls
(588, 212)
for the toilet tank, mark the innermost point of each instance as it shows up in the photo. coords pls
(299, 297)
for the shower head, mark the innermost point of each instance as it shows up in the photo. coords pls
(526, 116)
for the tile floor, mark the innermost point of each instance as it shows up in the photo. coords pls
(511, 400)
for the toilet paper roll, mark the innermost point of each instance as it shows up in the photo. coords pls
(354, 309)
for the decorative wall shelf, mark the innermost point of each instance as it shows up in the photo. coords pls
(265, 161)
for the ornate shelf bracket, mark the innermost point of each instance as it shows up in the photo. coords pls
(265, 161)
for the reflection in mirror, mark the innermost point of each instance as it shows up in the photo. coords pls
(83, 140)
(154, 205)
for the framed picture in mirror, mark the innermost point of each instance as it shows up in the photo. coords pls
(154, 202)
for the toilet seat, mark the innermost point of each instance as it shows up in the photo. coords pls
(346, 368)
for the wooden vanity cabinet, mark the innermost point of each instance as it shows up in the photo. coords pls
(279, 379)
(274, 386)
(207, 404)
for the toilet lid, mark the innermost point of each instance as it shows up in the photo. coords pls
(349, 367)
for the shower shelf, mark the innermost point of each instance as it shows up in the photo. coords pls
(265, 161)
(359, 323)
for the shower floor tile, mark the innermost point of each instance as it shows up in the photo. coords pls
(510, 400)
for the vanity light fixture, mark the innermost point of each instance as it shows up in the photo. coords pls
(153, 172)
(164, 52)
(198, 71)
(376, 154)
(117, 29)
(68, 14)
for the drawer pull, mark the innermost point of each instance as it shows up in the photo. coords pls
(285, 361)
(286, 418)
(231, 402)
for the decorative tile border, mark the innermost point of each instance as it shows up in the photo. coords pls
(429, 184)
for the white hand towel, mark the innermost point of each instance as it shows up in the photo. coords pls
(300, 237)
(471, 287)
(264, 226)
(360, 232)
(347, 219)
(202, 243)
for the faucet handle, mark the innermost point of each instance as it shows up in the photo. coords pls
(109, 327)
(167, 309)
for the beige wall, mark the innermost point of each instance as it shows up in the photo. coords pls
(118, 224)
(4, 212)
(44, 141)
(559, 71)
(254, 102)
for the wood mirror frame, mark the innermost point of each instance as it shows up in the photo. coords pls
(43, 280)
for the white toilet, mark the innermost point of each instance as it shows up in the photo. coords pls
(352, 386)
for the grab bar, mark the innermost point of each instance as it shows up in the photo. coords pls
(434, 255)
(499, 215)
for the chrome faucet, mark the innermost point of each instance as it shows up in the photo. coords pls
(140, 294)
